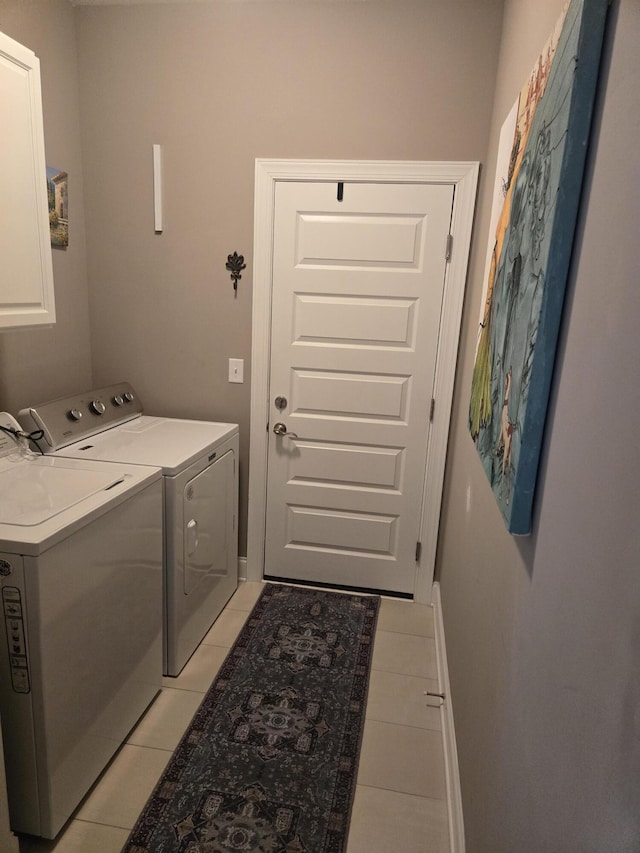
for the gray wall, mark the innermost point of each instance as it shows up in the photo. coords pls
(219, 84)
(543, 633)
(47, 363)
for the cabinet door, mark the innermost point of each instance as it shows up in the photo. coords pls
(26, 277)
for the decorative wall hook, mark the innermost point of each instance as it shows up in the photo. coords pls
(235, 263)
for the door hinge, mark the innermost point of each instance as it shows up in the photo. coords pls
(418, 551)
(432, 410)
(447, 254)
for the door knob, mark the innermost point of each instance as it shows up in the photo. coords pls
(281, 429)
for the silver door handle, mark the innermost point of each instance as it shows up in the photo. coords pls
(281, 429)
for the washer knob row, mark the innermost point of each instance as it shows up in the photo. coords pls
(99, 408)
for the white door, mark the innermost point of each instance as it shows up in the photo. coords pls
(358, 279)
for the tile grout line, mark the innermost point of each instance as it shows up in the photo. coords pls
(404, 725)
(405, 634)
(101, 823)
(405, 793)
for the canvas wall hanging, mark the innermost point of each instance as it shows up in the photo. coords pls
(538, 181)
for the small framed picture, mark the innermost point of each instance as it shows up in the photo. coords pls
(58, 206)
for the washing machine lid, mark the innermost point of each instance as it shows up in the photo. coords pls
(45, 498)
(171, 444)
(31, 493)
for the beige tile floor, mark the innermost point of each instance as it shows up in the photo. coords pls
(400, 801)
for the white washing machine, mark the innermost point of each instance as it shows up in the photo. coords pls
(81, 640)
(199, 462)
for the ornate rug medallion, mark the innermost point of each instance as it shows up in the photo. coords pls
(272, 722)
(245, 821)
(304, 646)
(269, 762)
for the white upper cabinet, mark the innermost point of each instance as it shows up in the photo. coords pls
(26, 274)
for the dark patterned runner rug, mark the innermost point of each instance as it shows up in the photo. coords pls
(269, 762)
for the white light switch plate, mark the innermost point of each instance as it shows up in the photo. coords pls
(236, 370)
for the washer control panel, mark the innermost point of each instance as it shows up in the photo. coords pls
(16, 643)
(70, 419)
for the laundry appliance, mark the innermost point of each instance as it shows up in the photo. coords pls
(199, 461)
(81, 640)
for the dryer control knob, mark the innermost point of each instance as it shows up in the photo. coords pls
(97, 407)
(117, 400)
(128, 397)
(74, 414)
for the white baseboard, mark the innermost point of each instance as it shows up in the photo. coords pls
(242, 568)
(454, 796)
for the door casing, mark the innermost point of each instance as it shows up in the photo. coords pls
(464, 177)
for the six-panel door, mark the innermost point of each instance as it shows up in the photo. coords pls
(357, 298)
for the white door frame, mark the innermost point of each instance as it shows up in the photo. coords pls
(464, 177)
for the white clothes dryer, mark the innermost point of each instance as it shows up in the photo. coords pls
(199, 462)
(81, 641)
